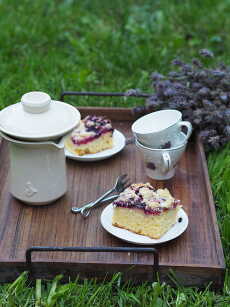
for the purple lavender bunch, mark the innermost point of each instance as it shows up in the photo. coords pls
(201, 94)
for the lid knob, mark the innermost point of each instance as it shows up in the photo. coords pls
(36, 102)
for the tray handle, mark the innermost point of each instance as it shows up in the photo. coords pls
(137, 111)
(150, 250)
(129, 93)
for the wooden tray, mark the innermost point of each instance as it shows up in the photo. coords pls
(196, 257)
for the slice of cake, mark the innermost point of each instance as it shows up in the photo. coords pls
(146, 211)
(94, 134)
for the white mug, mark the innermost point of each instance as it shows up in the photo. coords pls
(160, 164)
(161, 129)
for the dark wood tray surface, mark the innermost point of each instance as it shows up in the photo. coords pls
(196, 256)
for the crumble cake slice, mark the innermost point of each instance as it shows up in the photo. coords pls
(145, 211)
(94, 134)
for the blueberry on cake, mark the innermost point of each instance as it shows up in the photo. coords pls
(94, 134)
(145, 211)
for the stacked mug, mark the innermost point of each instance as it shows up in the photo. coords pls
(161, 137)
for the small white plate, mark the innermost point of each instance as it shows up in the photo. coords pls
(126, 235)
(118, 145)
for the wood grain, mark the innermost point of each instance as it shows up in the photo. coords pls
(196, 256)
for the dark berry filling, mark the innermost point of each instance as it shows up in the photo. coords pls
(90, 138)
(96, 124)
(142, 205)
(176, 203)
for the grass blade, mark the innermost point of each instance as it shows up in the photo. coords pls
(51, 298)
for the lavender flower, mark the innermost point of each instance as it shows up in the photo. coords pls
(206, 53)
(201, 94)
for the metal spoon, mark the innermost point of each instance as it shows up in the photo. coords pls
(110, 198)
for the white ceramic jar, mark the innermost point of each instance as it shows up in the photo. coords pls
(37, 161)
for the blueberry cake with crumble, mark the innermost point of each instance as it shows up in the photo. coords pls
(94, 134)
(145, 211)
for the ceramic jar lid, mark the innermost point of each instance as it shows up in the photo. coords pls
(38, 118)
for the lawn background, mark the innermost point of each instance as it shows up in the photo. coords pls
(102, 45)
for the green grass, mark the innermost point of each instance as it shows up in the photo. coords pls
(113, 293)
(105, 45)
(102, 45)
(219, 172)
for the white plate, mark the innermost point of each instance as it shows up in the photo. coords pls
(118, 145)
(126, 235)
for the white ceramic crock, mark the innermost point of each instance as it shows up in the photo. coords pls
(37, 165)
(37, 171)
(160, 128)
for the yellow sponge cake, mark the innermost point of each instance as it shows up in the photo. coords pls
(94, 134)
(146, 211)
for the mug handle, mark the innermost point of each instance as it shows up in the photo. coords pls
(188, 125)
(167, 163)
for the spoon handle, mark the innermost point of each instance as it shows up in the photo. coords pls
(78, 210)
